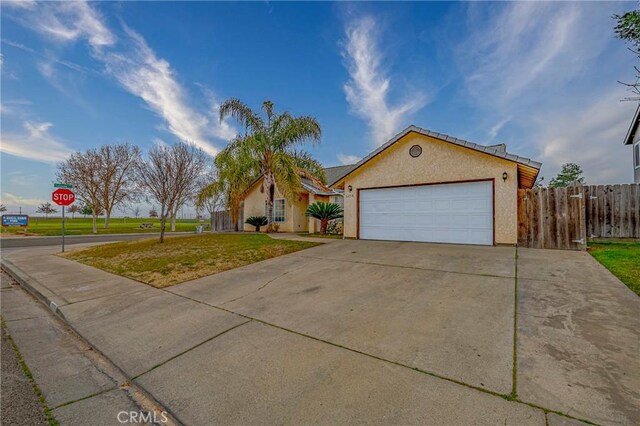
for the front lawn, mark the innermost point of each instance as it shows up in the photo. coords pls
(621, 257)
(183, 258)
(83, 226)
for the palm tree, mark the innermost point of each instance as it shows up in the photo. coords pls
(269, 148)
(324, 212)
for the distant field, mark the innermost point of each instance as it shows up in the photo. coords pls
(81, 226)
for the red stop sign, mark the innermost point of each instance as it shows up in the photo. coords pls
(63, 197)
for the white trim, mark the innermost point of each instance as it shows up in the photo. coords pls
(284, 210)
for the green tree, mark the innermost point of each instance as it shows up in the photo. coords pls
(570, 173)
(324, 212)
(269, 148)
(628, 29)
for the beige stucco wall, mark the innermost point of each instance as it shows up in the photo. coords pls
(295, 220)
(440, 162)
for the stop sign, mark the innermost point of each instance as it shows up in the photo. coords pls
(63, 197)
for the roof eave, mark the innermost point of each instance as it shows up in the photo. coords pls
(628, 140)
(445, 138)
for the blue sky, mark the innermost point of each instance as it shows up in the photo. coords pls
(540, 77)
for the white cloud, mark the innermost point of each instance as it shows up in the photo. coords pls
(36, 143)
(367, 91)
(542, 75)
(348, 159)
(67, 22)
(135, 66)
(590, 135)
(10, 200)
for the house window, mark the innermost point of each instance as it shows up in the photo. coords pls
(278, 210)
(636, 156)
(339, 200)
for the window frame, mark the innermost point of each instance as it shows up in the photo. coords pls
(275, 216)
(636, 155)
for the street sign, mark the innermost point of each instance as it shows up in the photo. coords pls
(15, 220)
(63, 197)
(63, 185)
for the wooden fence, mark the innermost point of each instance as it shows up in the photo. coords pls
(613, 211)
(563, 218)
(222, 221)
(551, 218)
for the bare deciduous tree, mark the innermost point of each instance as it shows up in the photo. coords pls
(170, 175)
(46, 208)
(118, 172)
(80, 169)
(73, 209)
(211, 198)
(136, 211)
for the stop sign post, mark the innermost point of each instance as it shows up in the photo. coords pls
(63, 197)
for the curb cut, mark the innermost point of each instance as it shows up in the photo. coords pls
(34, 287)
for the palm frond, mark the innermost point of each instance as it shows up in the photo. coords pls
(240, 112)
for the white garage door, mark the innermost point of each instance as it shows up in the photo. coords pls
(452, 213)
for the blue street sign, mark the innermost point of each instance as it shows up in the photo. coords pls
(15, 220)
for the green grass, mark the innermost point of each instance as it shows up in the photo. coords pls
(319, 235)
(621, 257)
(82, 226)
(185, 258)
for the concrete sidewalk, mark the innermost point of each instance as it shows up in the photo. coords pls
(350, 332)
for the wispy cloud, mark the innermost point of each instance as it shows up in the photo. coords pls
(10, 199)
(35, 143)
(348, 159)
(66, 22)
(135, 66)
(590, 135)
(524, 65)
(368, 89)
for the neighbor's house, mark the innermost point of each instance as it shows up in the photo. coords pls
(426, 186)
(289, 215)
(633, 139)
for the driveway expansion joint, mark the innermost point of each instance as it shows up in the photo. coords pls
(415, 268)
(190, 349)
(507, 397)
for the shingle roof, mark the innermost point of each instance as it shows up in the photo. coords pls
(334, 173)
(496, 151)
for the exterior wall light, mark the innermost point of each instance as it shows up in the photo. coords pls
(504, 176)
(350, 188)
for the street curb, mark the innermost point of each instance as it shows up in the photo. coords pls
(34, 287)
(47, 297)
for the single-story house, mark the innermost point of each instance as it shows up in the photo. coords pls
(633, 139)
(418, 186)
(289, 215)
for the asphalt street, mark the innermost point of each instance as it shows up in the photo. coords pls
(14, 242)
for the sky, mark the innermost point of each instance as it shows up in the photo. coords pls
(541, 77)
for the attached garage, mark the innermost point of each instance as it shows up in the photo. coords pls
(429, 187)
(459, 213)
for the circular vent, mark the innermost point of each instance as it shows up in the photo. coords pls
(415, 151)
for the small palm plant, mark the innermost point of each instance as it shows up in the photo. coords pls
(257, 221)
(324, 212)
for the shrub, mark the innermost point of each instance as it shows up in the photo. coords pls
(257, 221)
(324, 212)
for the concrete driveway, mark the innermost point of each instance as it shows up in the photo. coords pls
(376, 332)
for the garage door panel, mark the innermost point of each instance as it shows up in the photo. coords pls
(450, 213)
